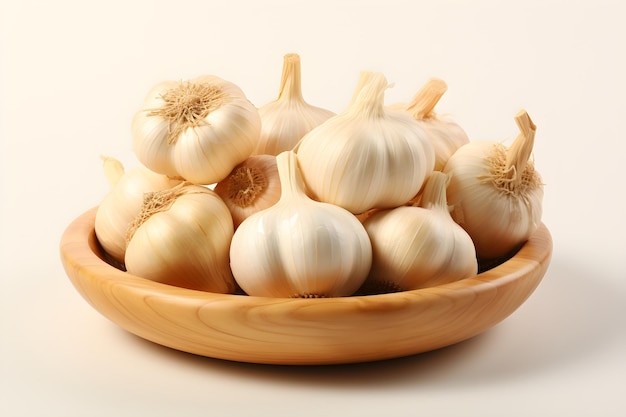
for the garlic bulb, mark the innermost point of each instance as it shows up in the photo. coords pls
(123, 203)
(181, 238)
(300, 247)
(445, 135)
(417, 247)
(197, 130)
(287, 119)
(252, 186)
(496, 193)
(367, 157)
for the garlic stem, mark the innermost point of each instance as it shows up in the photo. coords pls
(519, 153)
(291, 79)
(113, 170)
(364, 77)
(434, 194)
(291, 181)
(423, 104)
(370, 99)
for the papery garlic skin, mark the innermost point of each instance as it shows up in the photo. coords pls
(300, 247)
(287, 119)
(367, 157)
(445, 135)
(446, 138)
(498, 215)
(252, 186)
(197, 130)
(123, 203)
(184, 242)
(418, 247)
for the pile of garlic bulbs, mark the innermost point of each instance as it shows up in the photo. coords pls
(293, 200)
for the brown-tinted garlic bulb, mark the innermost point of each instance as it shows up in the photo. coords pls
(252, 186)
(446, 136)
(287, 119)
(495, 192)
(181, 237)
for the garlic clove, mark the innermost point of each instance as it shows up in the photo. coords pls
(252, 186)
(287, 119)
(497, 193)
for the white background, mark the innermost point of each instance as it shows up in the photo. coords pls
(72, 74)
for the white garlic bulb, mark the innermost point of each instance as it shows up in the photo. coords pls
(496, 193)
(181, 238)
(417, 247)
(446, 136)
(287, 119)
(123, 203)
(367, 157)
(252, 186)
(197, 130)
(300, 247)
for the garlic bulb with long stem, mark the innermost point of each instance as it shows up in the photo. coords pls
(446, 136)
(181, 237)
(252, 186)
(300, 247)
(123, 203)
(496, 193)
(418, 246)
(368, 156)
(287, 119)
(197, 130)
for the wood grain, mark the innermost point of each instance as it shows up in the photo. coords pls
(301, 331)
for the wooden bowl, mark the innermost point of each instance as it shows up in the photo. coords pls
(301, 331)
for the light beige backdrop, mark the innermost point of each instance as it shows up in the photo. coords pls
(72, 73)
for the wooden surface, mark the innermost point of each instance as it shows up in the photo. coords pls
(301, 331)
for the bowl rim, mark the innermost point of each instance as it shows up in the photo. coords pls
(84, 262)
